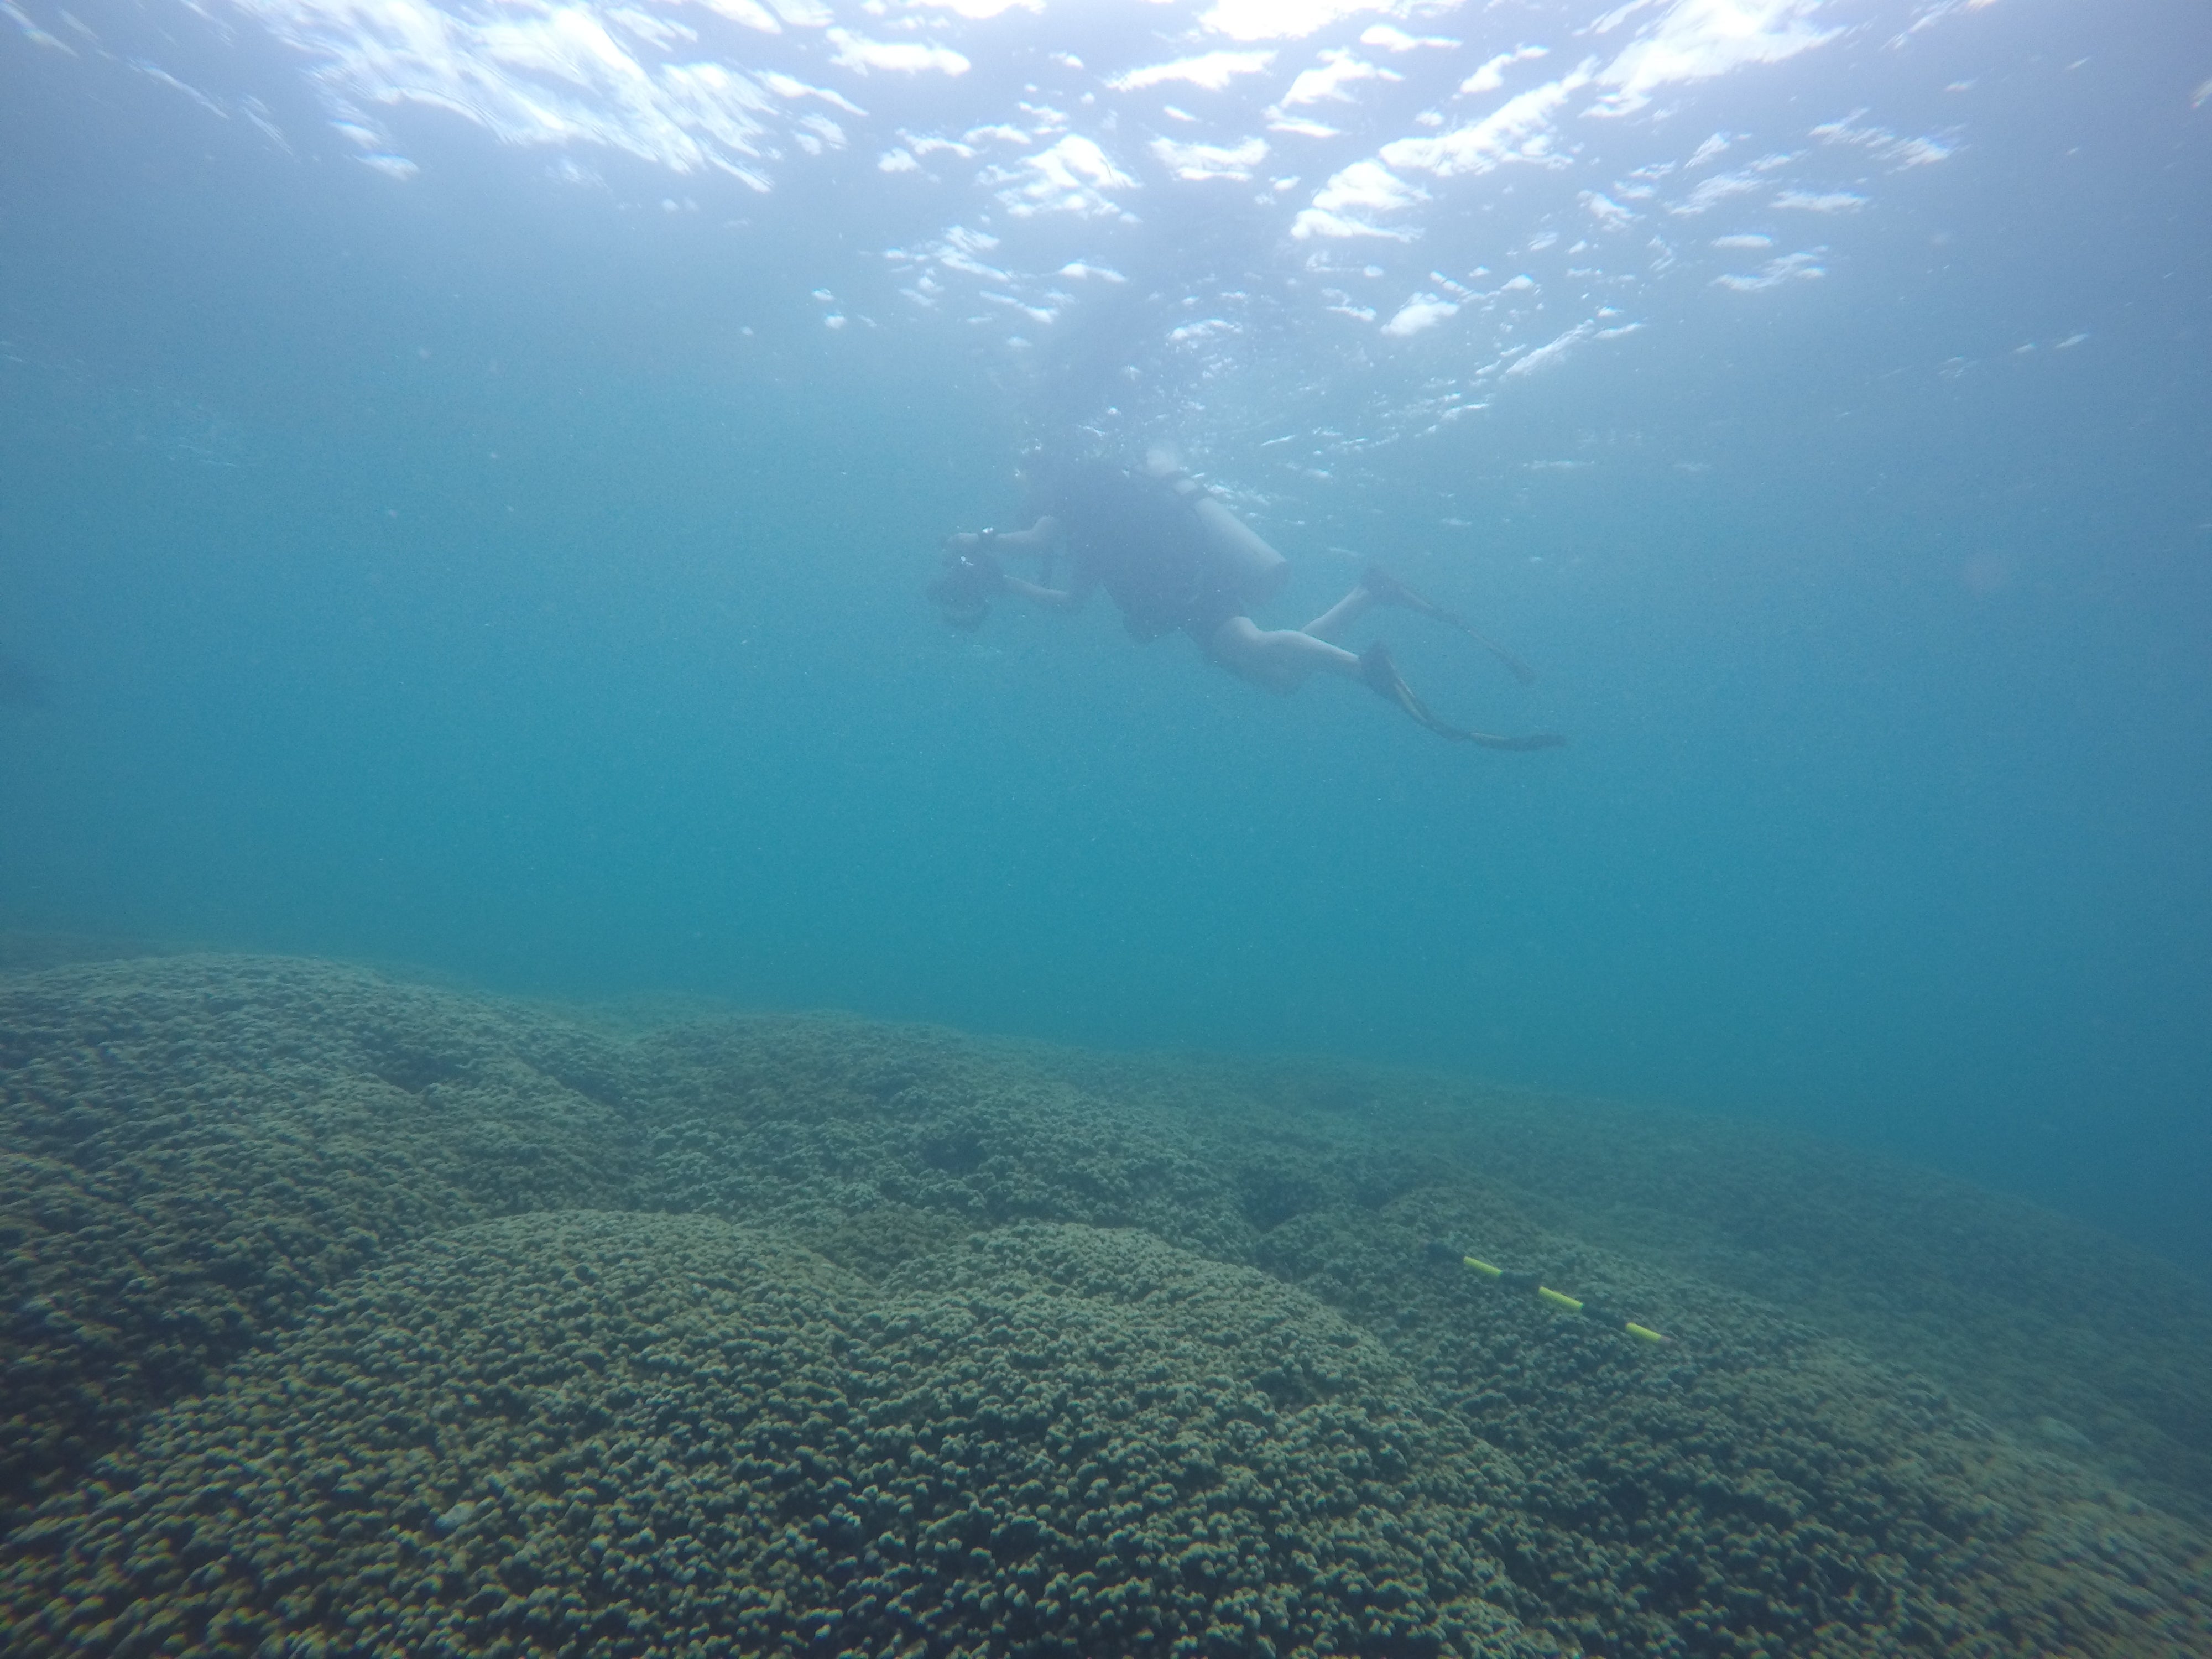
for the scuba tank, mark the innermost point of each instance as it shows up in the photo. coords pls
(1258, 570)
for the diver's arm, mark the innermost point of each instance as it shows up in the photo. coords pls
(1043, 536)
(1071, 598)
(1041, 540)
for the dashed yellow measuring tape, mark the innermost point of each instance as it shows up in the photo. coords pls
(1439, 1251)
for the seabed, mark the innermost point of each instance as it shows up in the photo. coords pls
(347, 1314)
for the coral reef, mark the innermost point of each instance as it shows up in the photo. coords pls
(196, 1146)
(352, 1316)
(589, 1431)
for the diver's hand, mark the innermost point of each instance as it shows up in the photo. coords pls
(970, 567)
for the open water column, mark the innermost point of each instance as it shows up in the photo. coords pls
(954, 829)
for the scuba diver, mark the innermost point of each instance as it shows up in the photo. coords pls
(1174, 559)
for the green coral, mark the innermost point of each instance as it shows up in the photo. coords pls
(353, 1316)
(569, 1429)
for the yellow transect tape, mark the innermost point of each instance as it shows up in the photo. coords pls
(1545, 1293)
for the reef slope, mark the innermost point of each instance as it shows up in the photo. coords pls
(348, 1315)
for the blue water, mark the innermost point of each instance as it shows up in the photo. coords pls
(442, 543)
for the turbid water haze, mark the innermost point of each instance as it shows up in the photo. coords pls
(467, 478)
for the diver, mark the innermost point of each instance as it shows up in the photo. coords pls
(1174, 559)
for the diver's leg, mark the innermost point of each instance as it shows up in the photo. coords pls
(1341, 615)
(1278, 658)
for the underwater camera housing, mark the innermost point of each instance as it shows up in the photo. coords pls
(963, 588)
